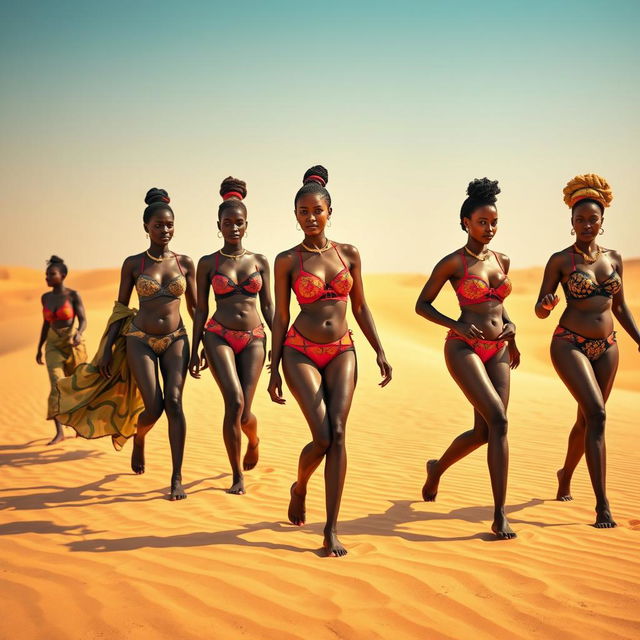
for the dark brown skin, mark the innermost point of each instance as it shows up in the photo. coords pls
(486, 385)
(53, 300)
(236, 375)
(324, 395)
(590, 382)
(157, 317)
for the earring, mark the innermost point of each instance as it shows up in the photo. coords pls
(146, 234)
(601, 231)
(219, 234)
(573, 232)
(298, 227)
(246, 234)
(329, 223)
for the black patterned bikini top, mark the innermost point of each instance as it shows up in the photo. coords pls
(149, 288)
(581, 285)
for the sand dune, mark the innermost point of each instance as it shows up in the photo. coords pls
(91, 551)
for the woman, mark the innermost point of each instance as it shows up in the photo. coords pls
(234, 338)
(64, 349)
(480, 346)
(317, 352)
(156, 339)
(583, 348)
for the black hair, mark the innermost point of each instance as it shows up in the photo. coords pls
(481, 192)
(156, 199)
(58, 263)
(600, 205)
(239, 189)
(314, 181)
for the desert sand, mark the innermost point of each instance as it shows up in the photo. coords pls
(90, 550)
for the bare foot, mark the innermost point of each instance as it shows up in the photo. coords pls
(501, 527)
(332, 546)
(250, 459)
(237, 488)
(177, 490)
(430, 488)
(137, 458)
(59, 437)
(604, 519)
(297, 513)
(564, 487)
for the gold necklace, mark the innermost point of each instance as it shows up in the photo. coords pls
(157, 259)
(475, 255)
(232, 256)
(320, 250)
(587, 258)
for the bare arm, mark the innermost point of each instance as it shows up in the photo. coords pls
(362, 314)
(43, 336)
(547, 298)
(190, 275)
(266, 303)
(282, 286)
(619, 307)
(78, 307)
(202, 311)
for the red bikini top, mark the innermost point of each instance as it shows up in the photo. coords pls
(63, 312)
(310, 288)
(474, 290)
(223, 286)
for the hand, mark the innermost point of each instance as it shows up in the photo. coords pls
(105, 363)
(468, 330)
(194, 365)
(275, 388)
(268, 365)
(514, 355)
(549, 301)
(204, 363)
(39, 357)
(508, 332)
(385, 370)
(77, 339)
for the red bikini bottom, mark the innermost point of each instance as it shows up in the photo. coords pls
(593, 348)
(321, 354)
(237, 339)
(486, 349)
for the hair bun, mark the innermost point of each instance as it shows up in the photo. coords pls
(588, 185)
(55, 260)
(233, 188)
(317, 174)
(484, 190)
(156, 195)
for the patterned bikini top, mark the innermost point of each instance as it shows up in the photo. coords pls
(63, 312)
(581, 285)
(474, 290)
(149, 288)
(223, 286)
(310, 288)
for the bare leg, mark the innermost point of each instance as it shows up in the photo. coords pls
(143, 364)
(59, 433)
(579, 375)
(305, 383)
(339, 378)
(173, 364)
(477, 383)
(249, 365)
(223, 367)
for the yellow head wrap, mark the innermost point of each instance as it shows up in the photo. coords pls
(589, 185)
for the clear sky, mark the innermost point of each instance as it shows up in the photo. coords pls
(404, 103)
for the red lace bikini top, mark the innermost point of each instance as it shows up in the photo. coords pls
(474, 290)
(63, 312)
(310, 288)
(223, 286)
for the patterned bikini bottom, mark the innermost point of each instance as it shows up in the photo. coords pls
(237, 339)
(320, 353)
(158, 344)
(485, 349)
(593, 348)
